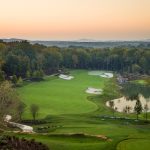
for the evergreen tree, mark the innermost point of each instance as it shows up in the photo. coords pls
(138, 108)
(112, 105)
(21, 108)
(14, 79)
(41, 73)
(19, 82)
(2, 76)
(28, 74)
(34, 109)
(146, 108)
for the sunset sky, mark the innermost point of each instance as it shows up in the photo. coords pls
(75, 19)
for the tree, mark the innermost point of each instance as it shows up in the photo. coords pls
(21, 108)
(2, 76)
(28, 74)
(35, 74)
(138, 108)
(20, 58)
(75, 60)
(111, 104)
(146, 108)
(136, 68)
(34, 109)
(127, 109)
(14, 79)
(41, 73)
(9, 100)
(19, 82)
(52, 60)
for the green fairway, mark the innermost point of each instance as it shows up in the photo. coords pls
(68, 109)
(57, 96)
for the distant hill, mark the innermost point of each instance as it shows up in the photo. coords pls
(97, 44)
(85, 43)
(12, 40)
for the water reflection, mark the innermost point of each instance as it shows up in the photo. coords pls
(132, 90)
(131, 93)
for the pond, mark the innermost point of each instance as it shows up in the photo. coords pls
(132, 91)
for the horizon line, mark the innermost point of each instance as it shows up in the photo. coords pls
(77, 40)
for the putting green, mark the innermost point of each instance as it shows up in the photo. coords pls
(57, 96)
(134, 144)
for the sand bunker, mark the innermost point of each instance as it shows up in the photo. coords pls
(66, 77)
(91, 90)
(101, 74)
(121, 104)
(24, 128)
(107, 75)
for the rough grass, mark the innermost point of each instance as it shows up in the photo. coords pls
(142, 82)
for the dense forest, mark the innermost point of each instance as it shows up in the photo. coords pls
(23, 59)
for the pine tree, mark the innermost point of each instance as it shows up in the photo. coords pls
(111, 104)
(41, 73)
(28, 74)
(2, 76)
(14, 79)
(34, 109)
(21, 108)
(19, 82)
(138, 108)
(146, 108)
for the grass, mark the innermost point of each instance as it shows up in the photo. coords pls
(67, 142)
(56, 96)
(68, 109)
(142, 82)
(134, 144)
(145, 81)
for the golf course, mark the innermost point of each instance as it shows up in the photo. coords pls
(80, 121)
(75, 75)
(57, 96)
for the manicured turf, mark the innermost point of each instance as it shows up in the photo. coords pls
(134, 144)
(68, 109)
(57, 96)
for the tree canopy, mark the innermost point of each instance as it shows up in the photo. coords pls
(24, 59)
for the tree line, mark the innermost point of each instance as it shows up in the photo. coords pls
(11, 104)
(22, 59)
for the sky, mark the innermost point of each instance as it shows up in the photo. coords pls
(75, 19)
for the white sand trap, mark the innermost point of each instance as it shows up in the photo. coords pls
(94, 91)
(24, 128)
(107, 75)
(66, 77)
(101, 74)
(122, 103)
